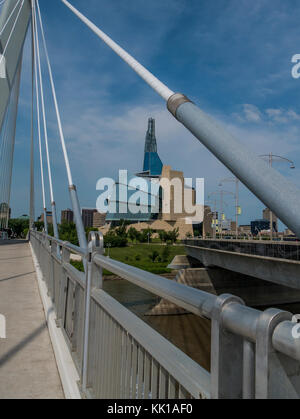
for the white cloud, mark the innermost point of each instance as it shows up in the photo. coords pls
(252, 113)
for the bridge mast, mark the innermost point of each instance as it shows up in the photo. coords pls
(14, 22)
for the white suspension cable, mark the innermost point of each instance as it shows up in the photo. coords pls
(72, 189)
(43, 110)
(1, 2)
(31, 205)
(149, 78)
(38, 120)
(61, 134)
(9, 17)
(11, 32)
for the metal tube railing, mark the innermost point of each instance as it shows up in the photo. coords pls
(237, 318)
(243, 339)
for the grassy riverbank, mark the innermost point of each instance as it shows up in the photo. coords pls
(140, 255)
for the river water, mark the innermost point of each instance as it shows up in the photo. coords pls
(188, 332)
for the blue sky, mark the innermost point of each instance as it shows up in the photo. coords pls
(231, 57)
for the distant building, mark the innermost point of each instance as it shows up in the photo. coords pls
(245, 229)
(67, 216)
(152, 163)
(207, 229)
(87, 215)
(98, 219)
(48, 216)
(170, 211)
(261, 225)
(288, 232)
(266, 216)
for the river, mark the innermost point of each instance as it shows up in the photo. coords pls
(188, 332)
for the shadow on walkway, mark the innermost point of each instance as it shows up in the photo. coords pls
(13, 241)
(18, 257)
(17, 276)
(12, 352)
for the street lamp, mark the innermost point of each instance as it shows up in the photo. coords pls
(221, 193)
(270, 158)
(235, 179)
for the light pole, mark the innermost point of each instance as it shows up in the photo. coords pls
(221, 193)
(270, 158)
(235, 179)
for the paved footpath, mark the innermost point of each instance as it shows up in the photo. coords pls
(27, 365)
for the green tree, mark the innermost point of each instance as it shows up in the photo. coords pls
(67, 232)
(133, 234)
(166, 254)
(143, 236)
(114, 240)
(121, 230)
(173, 235)
(50, 230)
(163, 235)
(18, 225)
(39, 225)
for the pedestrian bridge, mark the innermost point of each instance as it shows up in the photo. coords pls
(100, 348)
(277, 262)
(103, 350)
(26, 355)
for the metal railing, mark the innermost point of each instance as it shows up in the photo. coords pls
(281, 250)
(253, 353)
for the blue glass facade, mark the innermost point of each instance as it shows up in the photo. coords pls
(259, 225)
(152, 163)
(148, 205)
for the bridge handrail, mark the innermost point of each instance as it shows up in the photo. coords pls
(245, 327)
(64, 244)
(238, 318)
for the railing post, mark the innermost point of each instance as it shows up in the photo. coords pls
(226, 354)
(249, 370)
(270, 373)
(65, 258)
(95, 246)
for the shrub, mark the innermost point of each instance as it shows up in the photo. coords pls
(114, 240)
(165, 254)
(154, 255)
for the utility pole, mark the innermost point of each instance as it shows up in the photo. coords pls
(235, 179)
(221, 194)
(271, 157)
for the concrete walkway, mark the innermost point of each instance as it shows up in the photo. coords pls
(27, 364)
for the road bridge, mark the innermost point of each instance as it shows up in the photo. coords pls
(277, 262)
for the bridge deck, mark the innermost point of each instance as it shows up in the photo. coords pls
(27, 364)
